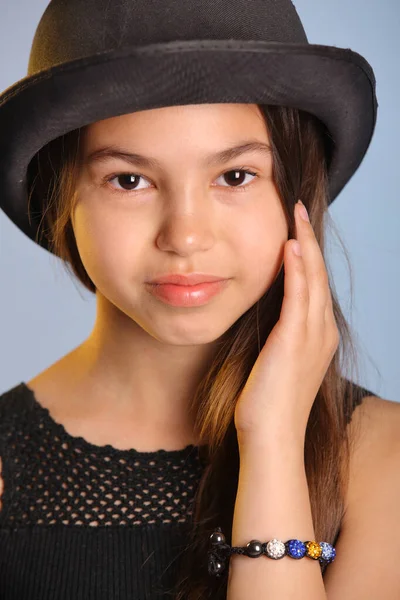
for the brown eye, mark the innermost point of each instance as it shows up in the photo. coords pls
(126, 181)
(236, 177)
(130, 181)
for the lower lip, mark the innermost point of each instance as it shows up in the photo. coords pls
(187, 295)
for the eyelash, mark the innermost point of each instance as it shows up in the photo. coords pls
(240, 188)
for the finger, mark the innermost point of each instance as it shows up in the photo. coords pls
(329, 312)
(330, 320)
(314, 264)
(294, 311)
(329, 306)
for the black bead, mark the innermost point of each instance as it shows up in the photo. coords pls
(215, 565)
(217, 538)
(254, 548)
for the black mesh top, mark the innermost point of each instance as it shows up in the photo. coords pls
(85, 522)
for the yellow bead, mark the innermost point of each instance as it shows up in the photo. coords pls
(314, 550)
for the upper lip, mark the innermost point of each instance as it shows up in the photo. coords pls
(188, 279)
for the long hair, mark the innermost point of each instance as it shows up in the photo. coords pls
(301, 151)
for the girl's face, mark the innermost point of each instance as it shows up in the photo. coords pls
(180, 208)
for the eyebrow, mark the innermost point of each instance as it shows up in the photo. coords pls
(223, 156)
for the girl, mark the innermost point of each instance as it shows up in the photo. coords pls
(160, 150)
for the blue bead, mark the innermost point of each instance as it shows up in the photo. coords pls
(328, 552)
(296, 548)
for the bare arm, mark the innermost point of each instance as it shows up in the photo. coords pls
(273, 502)
(271, 416)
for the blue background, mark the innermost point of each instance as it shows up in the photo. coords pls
(44, 313)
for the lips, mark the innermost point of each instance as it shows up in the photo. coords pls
(187, 295)
(186, 280)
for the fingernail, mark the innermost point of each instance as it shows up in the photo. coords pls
(296, 248)
(303, 211)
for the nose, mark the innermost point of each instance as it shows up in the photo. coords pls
(187, 228)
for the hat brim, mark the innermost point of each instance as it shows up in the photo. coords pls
(336, 85)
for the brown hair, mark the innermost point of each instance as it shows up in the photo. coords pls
(302, 149)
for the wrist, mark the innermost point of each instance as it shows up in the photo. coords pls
(286, 441)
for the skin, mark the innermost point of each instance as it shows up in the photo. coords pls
(292, 364)
(136, 370)
(271, 418)
(141, 363)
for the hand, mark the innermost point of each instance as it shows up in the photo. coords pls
(291, 366)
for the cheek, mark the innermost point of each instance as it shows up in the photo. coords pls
(261, 247)
(106, 246)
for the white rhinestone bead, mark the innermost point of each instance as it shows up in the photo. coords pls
(275, 549)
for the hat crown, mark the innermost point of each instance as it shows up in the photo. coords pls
(74, 29)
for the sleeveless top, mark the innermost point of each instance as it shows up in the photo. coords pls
(85, 522)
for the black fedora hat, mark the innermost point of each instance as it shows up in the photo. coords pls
(95, 59)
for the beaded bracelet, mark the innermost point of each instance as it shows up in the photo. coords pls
(323, 552)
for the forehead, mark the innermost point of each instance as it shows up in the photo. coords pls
(185, 120)
(208, 135)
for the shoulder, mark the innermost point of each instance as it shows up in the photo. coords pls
(11, 392)
(374, 434)
(369, 541)
(14, 393)
(13, 403)
(15, 406)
